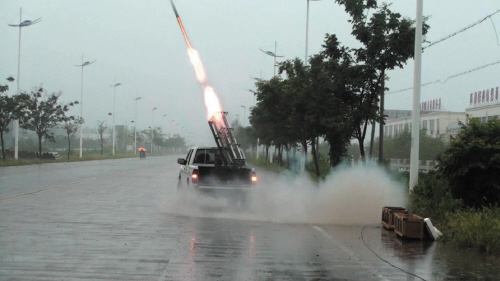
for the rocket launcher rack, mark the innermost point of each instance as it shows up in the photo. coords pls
(232, 155)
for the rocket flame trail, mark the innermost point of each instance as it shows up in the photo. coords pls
(194, 57)
(211, 100)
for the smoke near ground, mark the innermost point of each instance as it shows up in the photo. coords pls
(349, 196)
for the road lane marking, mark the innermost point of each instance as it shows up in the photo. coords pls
(65, 185)
(349, 252)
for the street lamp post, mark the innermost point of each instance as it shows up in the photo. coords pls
(307, 29)
(163, 120)
(171, 133)
(81, 103)
(417, 80)
(16, 122)
(114, 112)
(135, 125)
(152, 127)
(244, 114)
(269, 53)
(305, 58)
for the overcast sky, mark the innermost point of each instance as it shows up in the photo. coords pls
(140, 43)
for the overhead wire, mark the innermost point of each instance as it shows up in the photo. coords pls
(495, 29)
(461, 30)
(444, 80)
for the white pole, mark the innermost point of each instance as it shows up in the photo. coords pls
(275, 47)
(135, 128)
(415, 134)
(152, 128)
(114, 102)
(16, 122)
(307, 31)
(81, 113)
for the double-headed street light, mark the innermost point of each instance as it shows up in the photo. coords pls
(81, 102)
(135, 125)
(114, 115)
(269, 53)
(21, 24)
(153, 127)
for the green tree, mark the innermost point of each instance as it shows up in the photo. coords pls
(270, 115)
(42, 112)
(71, 126)
(101, 128)
(246, 137)
(399, 146)
(355, 89)
(10, 109)
(158, 137)
(176, 142)
(387, 40)
(472, 163)
(305, 98)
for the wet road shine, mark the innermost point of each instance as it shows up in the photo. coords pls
(108, 220)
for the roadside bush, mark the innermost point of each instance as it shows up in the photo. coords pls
(472, 164)
(324, 168)
(475, 229)
(432, 198)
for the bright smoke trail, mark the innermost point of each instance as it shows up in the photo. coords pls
(211, 100)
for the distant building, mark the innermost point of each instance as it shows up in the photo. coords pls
(438, 124)
(396, 113)
(484, 105)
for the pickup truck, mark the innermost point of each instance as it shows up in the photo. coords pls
(203, 169)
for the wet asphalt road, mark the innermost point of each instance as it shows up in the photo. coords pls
(108, 220)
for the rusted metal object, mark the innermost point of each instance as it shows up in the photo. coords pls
(409, 226)
(388, 216)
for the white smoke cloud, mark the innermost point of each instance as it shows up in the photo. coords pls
(349, 196)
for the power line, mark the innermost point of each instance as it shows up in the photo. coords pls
(444, 80)
(495, 29)
(461, 30)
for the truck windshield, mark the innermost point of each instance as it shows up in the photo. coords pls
(205, 156)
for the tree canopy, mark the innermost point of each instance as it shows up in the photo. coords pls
(472, 163)
(41, 112)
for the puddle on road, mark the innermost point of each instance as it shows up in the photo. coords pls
(444, 260)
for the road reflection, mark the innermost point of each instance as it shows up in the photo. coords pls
(439, 260)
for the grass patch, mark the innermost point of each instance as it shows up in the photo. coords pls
(294, 167)
(467, 227)
(262, 163)
(478, 229)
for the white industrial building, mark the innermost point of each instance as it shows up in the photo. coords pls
(442, 124)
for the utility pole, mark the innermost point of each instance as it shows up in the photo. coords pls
(152, 128)
(16, 122)
(135, 125)
(81, 103)
(417, 79)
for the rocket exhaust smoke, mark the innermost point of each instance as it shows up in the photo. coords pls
(349, 196)
(211, 100)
